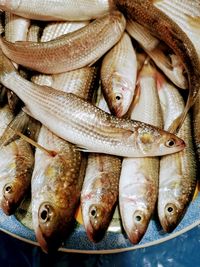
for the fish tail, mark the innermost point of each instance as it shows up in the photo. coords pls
(178, 122)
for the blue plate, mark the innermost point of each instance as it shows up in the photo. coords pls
(20, 226)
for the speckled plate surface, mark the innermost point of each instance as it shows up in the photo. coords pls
(20, 226)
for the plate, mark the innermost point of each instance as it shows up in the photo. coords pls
(20, 226)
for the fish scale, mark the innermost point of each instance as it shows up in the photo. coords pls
(91, 42)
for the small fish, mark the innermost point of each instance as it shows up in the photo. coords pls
(178, 172)
(82, 47)
(164, 28)
(138, 186)
(166, 60)
(118, 76)
(100, 189)
(16, 166)
(58, 10)
(61, 175)
(93, 131)
(56, 186)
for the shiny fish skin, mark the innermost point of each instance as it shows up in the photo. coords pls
(138, 187)
(85, 125)
(55, 180)
(33, 34)
(178, 177)
(16, 166)
(58, 9)
(118, 76)
(16, 28)
(196, 126)
(187, 15)
(82, 47)
(53, 219)
(99, 194)
(168, 62)
(145, 13)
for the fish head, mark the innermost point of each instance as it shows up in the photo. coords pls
(121, 95)
(96, 220)
(13, 194)
(52, 226)
(154, 141)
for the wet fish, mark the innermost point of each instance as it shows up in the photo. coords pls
(94, 130)
(167, 61)
(34, 32)
(82, 47)
(186, 13)
(145, 13)
(16, 29)
(138, 186)
(56, 186)
(58, 10)
(196, 124)
(99, 194)
(118, 76)
(16, 166)
(178, 177)
(55, 203)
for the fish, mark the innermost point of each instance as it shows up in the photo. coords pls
(196, 128)
(61, 175)
(165, 59)
(34, 33)
(16, 28)
(164, 28)
(56, 185)
(138, 185)
(100, 189)
(118, 76)
(16, 165)
(178, 172)
(85, 125)
(73, 10)
(82, 47)
(186, 14)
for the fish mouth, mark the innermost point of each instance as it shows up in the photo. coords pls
(95, 235)
(136, 235)
(8, 206)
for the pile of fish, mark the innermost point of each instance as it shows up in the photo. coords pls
(92, 115)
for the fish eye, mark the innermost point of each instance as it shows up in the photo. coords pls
(170, 209)
(7, 189)
(138, 217)
(45, 213)
(93, 211)
(118, 97)
(170, 142)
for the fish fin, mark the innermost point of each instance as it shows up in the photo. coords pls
(33, 143)
(84, 149)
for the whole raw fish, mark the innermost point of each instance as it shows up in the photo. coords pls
(99, 194)
(118, 76)
(138, 186)
(16, 165)
(178, 176)
(58, 9)
(85, 125)
(69, 51)
(163, 27)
